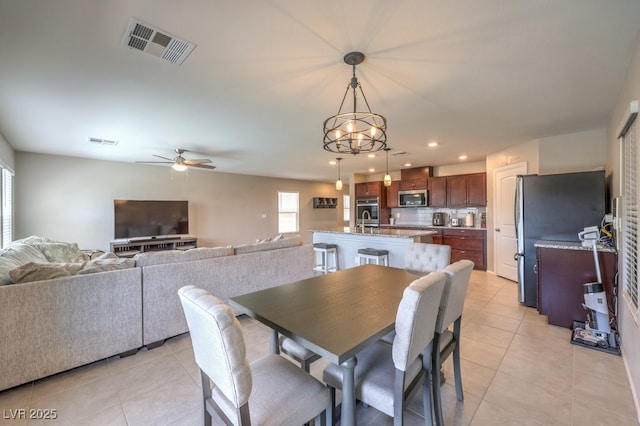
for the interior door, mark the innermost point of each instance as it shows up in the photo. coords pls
(505, 240)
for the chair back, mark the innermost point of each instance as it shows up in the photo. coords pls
(218, 343)
(458, 276)
(416, 318)
(427, 257)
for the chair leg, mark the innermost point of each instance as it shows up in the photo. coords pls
(435, 378)
(398, 397)
(427, 399)
(331, 409)
(206, 394)
(456, 359)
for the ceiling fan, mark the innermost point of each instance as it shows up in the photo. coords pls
(180, 163)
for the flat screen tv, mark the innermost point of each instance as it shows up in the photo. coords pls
(146, 218)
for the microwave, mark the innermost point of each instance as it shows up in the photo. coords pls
(413, 198)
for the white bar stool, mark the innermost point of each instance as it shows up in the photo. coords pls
(368, 254)
(326, 249)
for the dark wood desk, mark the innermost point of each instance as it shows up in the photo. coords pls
(335, 315)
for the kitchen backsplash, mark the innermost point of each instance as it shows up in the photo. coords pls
(424, 216)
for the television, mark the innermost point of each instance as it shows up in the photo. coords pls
(147, 218)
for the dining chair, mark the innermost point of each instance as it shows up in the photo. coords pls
(446, 341)
(387, 376)
(422, 258)
(297, 352)
(269, 391)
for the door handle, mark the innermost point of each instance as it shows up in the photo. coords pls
(497, 229)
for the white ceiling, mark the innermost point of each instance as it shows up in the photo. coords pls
(477, 76)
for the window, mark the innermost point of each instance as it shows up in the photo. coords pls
(288, 209)
(346, 210)
(629, 141)
(6, 207)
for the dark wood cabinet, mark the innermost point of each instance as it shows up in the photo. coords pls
(392, 194)
(408, 185)
(368, 189)
(466, 244)
(467, 190)
(561, 274)
(437, 191)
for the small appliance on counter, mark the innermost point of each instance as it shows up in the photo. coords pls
(456, 221)
(439, 219)
(470, 219)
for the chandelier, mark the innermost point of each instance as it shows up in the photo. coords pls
(353, 132)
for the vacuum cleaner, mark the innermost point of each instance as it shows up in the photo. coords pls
(596, 331)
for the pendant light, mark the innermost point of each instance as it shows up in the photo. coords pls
(387, 176)
(339, 181)
(355, 130)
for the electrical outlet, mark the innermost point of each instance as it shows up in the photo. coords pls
(608, 218)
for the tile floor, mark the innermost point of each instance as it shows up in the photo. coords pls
(517, 370)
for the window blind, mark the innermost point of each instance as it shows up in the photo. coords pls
(630, 214)
(6, 208)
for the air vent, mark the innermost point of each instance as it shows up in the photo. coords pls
(105, 142)
(399, 153)
(145, 38)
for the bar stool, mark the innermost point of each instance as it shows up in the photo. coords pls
(367, 254)
(325, 249)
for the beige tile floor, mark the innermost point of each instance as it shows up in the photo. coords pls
(517, 370)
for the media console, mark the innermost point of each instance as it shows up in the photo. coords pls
(129, 247)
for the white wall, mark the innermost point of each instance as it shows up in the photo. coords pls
(71, 199)
(574, 152)
(7, 155)
(629, 331)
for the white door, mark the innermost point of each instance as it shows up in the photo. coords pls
(505, 240)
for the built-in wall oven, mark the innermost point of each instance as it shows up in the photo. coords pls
(368, 212)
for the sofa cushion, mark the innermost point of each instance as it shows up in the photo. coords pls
(60, 252)
(39, 271)
(173, 256)
(269, 245)
(16, 254)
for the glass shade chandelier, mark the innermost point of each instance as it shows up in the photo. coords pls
(354, 131)
(339, 181)
(387, 176)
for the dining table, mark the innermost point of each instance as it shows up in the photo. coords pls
(335, 315)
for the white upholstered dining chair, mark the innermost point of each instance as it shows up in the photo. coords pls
(269, 391)
(447, 341)
(422, 258)
(387, 376)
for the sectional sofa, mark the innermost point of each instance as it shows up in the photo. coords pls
(91, 309)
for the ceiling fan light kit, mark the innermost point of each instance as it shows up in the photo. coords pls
(353, 132)
(179, 163)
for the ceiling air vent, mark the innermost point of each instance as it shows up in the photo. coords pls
(144, 37)
(105, 142)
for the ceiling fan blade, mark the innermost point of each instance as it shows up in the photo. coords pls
(164, 158)
(192, 162)
(202, 166)
(155, 162)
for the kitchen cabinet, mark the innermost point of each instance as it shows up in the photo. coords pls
(408, 185)
(467, 190)
(368, 189)
(392, 194)
(561, 274)
(437, 191)
(466, 244)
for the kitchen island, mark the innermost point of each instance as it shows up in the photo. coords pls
(350, 240)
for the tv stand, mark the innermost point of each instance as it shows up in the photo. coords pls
(129, 247)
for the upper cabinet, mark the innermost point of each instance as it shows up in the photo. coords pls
(438, 191)
(372, 190)
(467, 190)
(407, 185)
(392, 194)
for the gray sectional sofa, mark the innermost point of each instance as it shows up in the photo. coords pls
(94, 309)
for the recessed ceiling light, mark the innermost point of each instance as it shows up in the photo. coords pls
(371, 156)
(463, 157)
(372, 170)
(407, 164)
(332, 162)
(432, 144)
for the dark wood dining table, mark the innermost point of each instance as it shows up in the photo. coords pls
(335, 315)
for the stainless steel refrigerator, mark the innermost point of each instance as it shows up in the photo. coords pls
(553, 208)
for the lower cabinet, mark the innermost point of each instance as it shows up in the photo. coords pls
(561, 275)
(466, 244)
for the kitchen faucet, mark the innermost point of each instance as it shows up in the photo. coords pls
(362, 220)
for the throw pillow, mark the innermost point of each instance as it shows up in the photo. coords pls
(62, 252)
(36, 271)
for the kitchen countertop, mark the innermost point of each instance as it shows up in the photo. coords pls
(400, 225)
(572, 245)
(377, 232)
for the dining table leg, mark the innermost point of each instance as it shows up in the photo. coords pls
(348, 410)
(274, 344)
